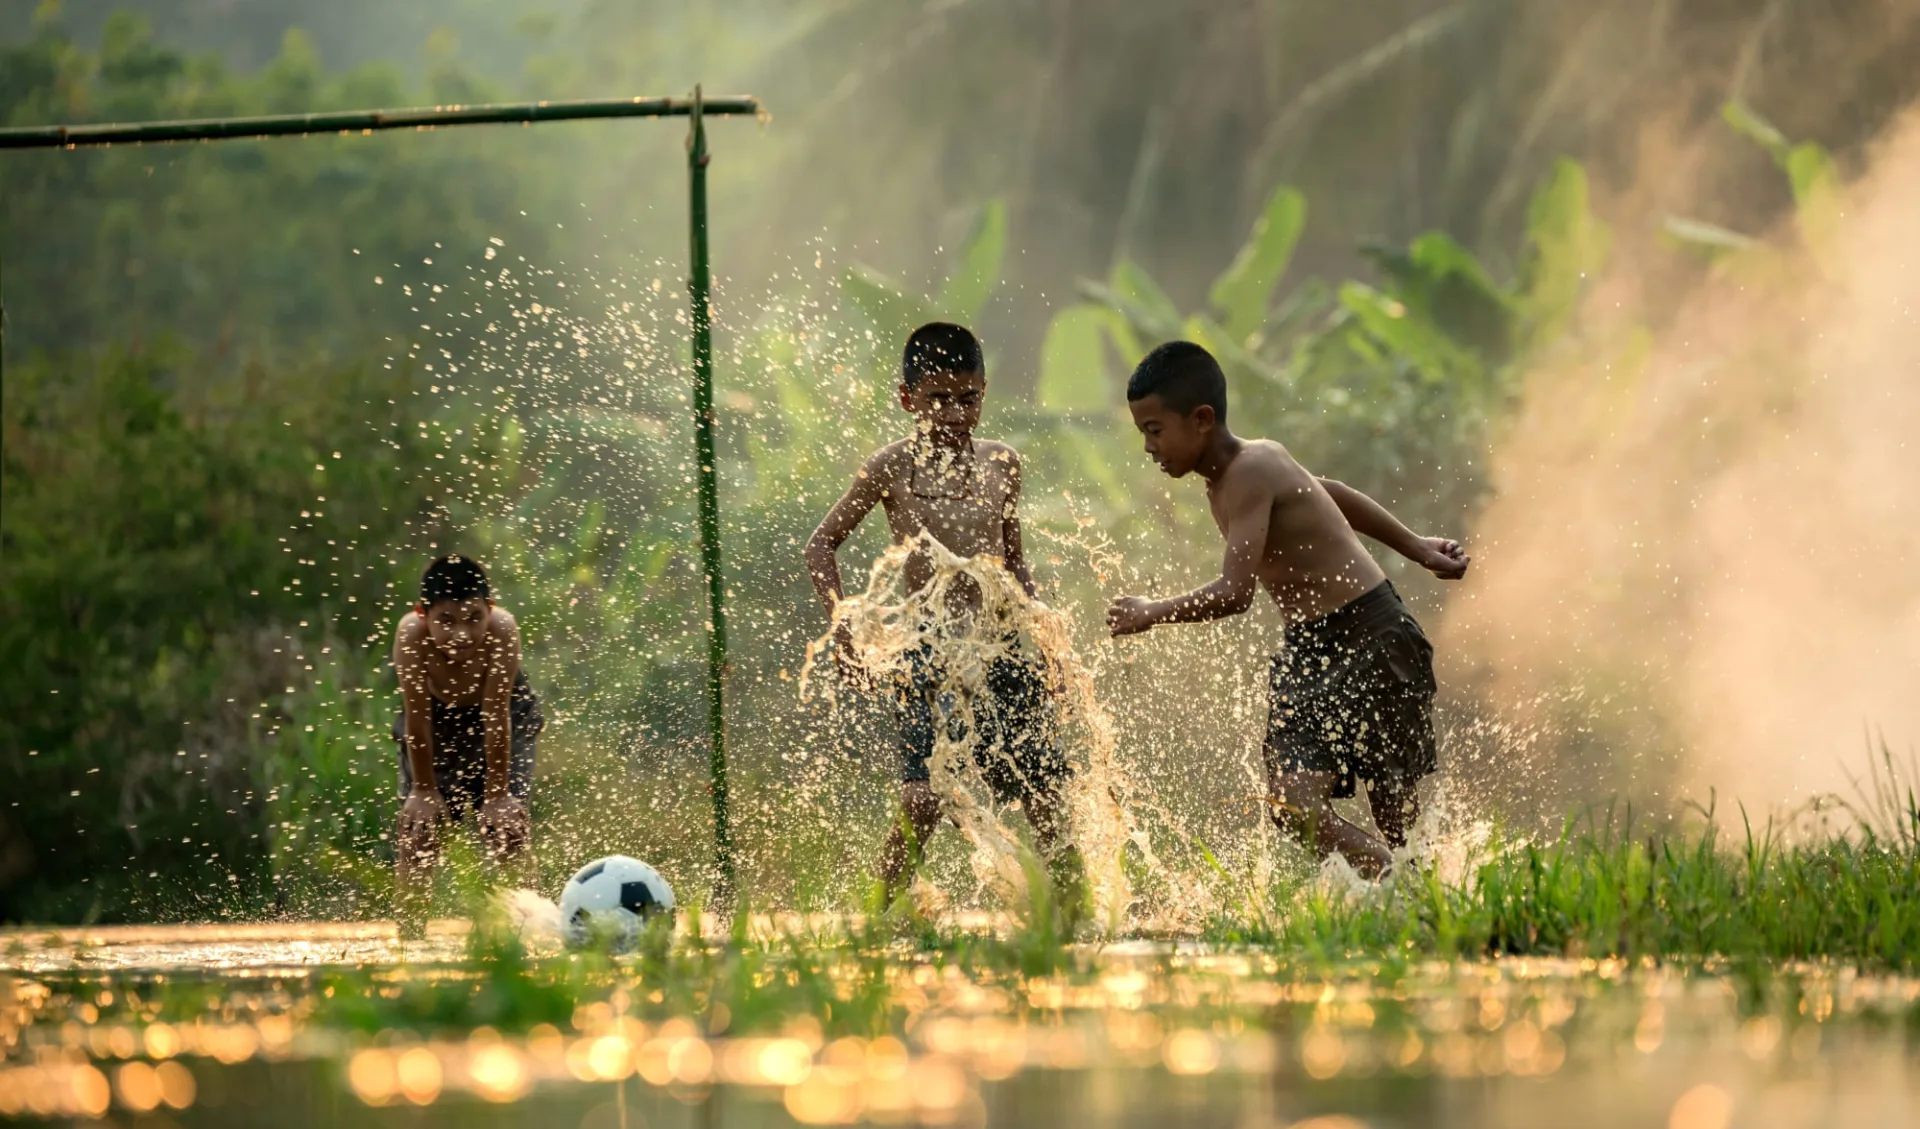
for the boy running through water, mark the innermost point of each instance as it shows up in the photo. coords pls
(1350, 693)
(467, 732)
(965, 493)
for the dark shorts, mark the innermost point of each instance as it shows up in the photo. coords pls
(1352, 695)
(1016, 737)
(460, 750)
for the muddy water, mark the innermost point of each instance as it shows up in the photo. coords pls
(1135, 1035)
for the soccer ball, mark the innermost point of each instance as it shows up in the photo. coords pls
(611, 899)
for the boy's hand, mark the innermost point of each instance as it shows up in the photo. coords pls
(1443, 558)
(504, 824)
(421, 813)
(1128, 615)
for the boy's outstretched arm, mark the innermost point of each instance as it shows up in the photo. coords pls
(422, 807)
(1444, 558)
(503, 816)
(838, 525)
(417, 835)
(1249, 507)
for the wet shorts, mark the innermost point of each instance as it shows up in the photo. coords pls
(1352, 695)
(1015, 740)
(460, 750)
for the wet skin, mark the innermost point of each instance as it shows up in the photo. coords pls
(965, 492)
(464, 653)
(1294, 535)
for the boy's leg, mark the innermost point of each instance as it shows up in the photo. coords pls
(1396, 807)
(919, 815)
(1304, 768)
(1402, 686)
(1303, 809)
(919, 807)
(1022, 760)
(1066, 871)
(416, 848)
(1047, 817)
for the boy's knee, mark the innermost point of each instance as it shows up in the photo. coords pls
(1300, 802)
(920, 804)
(1046, 811)
(1295, 822)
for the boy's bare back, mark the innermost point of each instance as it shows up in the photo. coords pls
(1309, 560)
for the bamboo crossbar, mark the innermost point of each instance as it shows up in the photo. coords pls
(365, 121)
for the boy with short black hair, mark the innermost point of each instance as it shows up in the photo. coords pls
(965, 492)
(1350, 693)
(467, 731)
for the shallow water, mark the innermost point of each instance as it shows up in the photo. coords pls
(1138, 1033)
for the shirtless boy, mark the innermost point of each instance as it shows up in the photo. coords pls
(466, 735)
(966, 493)
(1350, 693)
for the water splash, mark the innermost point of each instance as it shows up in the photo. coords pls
(891, 625)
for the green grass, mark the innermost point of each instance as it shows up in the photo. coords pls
(1764, 907)
(1851, 896)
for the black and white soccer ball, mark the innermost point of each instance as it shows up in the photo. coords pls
(610, 900)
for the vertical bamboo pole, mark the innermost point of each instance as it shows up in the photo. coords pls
(699, 289)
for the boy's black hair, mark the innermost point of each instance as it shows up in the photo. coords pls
(454, 577)
(940, 346)
(1184, 376)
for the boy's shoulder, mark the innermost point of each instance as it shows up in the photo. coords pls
(894, 452)
(1265, 463)
(996, 451)
(885, 465)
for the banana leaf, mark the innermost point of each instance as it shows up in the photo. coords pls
(965, 294)
(1244, 291)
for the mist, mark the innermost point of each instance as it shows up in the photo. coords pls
(1697, 574)
(1112, 129)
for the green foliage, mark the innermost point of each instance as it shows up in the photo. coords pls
(884, 301)
(1567, 246)
(246, 248)
(1244, 291)
(328, 782)
(1605, 893)
(160, 547)
(1392, 387)
(1073, 362)
(977, 275)
(1811, 174)
(1810, 170)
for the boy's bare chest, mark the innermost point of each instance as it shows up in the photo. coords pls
(456, 683)
(966, 506)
